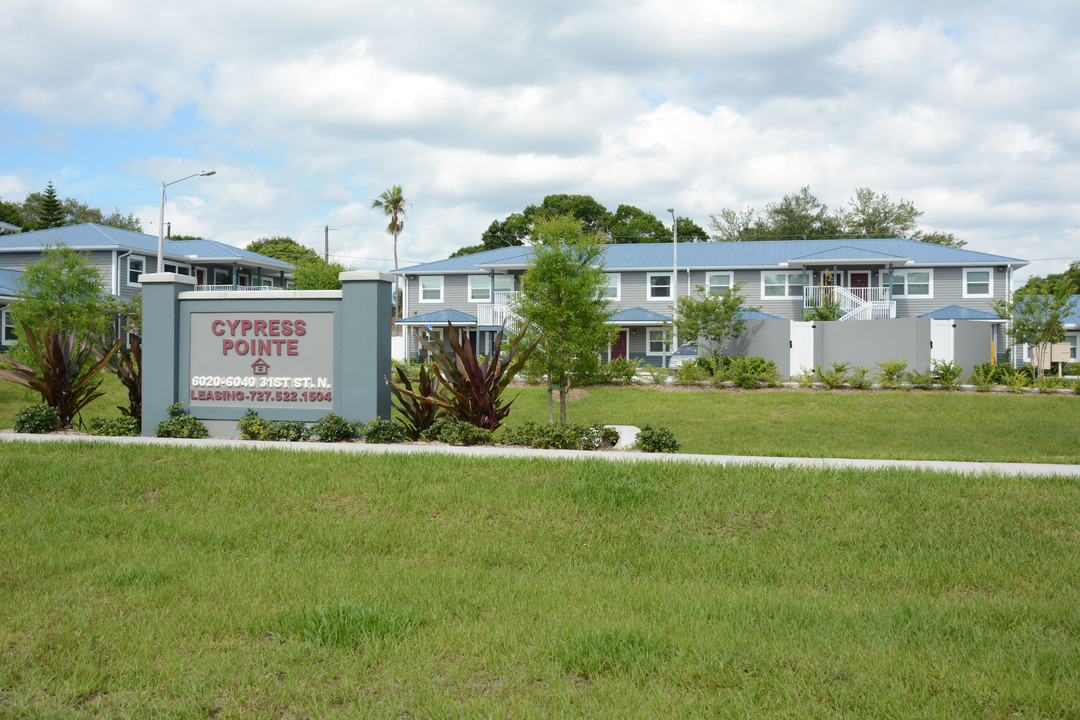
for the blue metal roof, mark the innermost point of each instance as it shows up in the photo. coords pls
(1073, 320)
(8, 286)
(637, 315)
(956, 312)
(439, 317)
(90, 236)
(756, 254)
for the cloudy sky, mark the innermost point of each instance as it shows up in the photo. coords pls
(307, 111)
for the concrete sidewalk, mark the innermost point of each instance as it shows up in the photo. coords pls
(491, 451)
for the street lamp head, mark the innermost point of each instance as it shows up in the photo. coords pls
(208, 173)
(671, 210)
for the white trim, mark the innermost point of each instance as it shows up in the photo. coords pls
(6, 321)
(142, 271)
(709, 276)
(903, 274)
(488, 283)
(420, 289)
(648, 341)
(226, 274)
(989, 283)
(670, 297)
(618, 288)
(788, 285)
(176, 267)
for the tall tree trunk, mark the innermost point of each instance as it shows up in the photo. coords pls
(551, 405)
(563, 391)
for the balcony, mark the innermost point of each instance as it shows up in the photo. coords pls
(495, 314)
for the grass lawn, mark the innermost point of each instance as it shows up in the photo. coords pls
(878, 424)
(169, 582)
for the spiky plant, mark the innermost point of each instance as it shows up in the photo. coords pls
(65, 369)
(417, 415)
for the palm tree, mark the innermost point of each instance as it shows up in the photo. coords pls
(392, 202)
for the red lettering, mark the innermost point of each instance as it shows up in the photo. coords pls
(286, 327)
(193, 395)
(277, 345)
(300, 327)
(274, 327)
(232, 326)
(241, 347)
(218, 327)
(264, 346)
(260, 327)
(226, 346)
(245, 326)
(292, 347)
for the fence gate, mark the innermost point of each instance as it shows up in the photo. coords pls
(802, 347)
(941, 340)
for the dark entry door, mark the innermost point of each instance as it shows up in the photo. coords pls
(618, 350)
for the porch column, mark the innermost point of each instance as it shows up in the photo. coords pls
(235, 276)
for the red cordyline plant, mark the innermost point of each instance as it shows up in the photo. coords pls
(126, 365)
(60, 377)
(417, 415)
(473, 387)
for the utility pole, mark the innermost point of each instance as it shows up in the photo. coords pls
(326, 243)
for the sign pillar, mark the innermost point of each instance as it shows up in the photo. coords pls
(160, 344)
(364, 366)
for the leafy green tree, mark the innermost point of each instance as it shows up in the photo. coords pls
(392, 202)
(468, 250)
(515, 230)
(712, 318)
(561, 299)
(318, 274)
(77, 213)
(593, 216)
(64, 289)
(633, 225)
(690, 231)
(1036, 316)
(284, 248)
(12, 213)
(1071, 277)
(52, 210)
(181, 238)
(802, 216)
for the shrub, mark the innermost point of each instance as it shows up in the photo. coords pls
(658, 439)
(562, 437)
(751, 372)
(180, 424)
(690, 374)
(383, 432)
(417, 413)
(860, 378)
(945, 374)
(805, 378)
(1016, 379)
(331, 427)
(455, 432)
(656, 374)
(1049, 383)
(834, 377)
(891, 373)
(114, 427)
(251, 426)
(286, 430)
(982, 377)
(921, 380)
(126, 365)
(37, 420)
(622, 371)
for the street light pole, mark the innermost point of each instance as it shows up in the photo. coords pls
(674, 277)
(161, 216)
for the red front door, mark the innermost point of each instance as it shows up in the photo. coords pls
(618, 350)
(860, 284)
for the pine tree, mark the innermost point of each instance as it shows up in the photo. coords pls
(52, 210)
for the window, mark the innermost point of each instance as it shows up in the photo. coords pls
(7, 331)
(222, 277)
(911, 283)
(781, 284)
(718, 283)
(659, 286)
(431, 287)
(611, 290)
(978, 282)
(1072, 347)
(480, 286)
(179, 269)
(657, 341)
(136, 267)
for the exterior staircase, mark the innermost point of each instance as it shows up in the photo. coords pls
(854, 303)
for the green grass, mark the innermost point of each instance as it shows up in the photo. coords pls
(14, 398)
(797, 423)
(163, 582)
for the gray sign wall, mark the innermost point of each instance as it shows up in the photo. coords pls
(289, 355)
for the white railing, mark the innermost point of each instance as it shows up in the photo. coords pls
(230, 288)
(854, 303)
(501, 311)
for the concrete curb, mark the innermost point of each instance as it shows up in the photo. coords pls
(498, 451)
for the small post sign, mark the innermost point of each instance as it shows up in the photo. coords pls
(261, 360)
